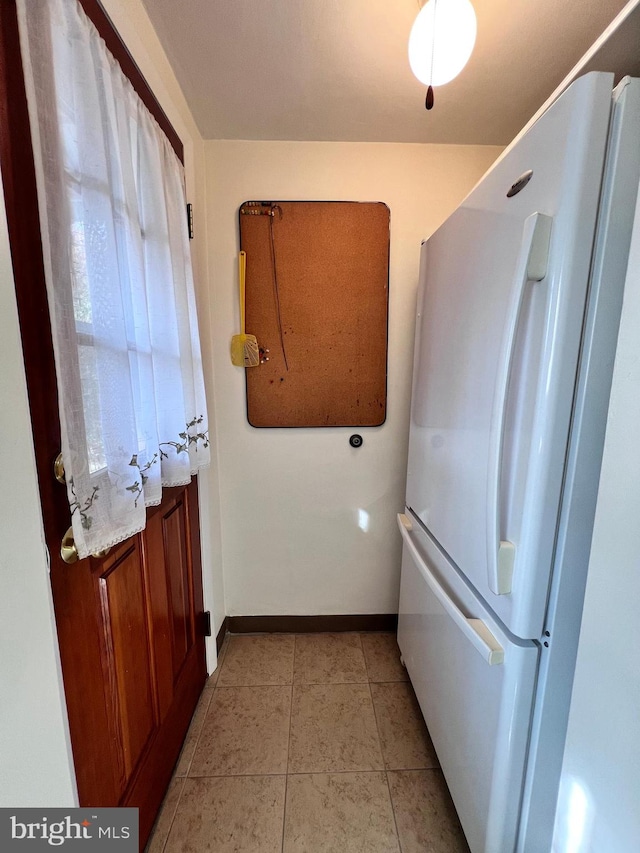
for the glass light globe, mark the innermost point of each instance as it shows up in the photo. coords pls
(446, 28)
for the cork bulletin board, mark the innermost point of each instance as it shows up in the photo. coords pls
(317, 290)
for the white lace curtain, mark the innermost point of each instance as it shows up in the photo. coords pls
(120, 286)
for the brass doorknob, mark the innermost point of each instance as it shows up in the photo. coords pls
(58, 469)
(69, 552)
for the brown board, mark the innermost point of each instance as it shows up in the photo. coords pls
(325, 266)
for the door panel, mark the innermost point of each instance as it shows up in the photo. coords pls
(182, 627)
(127, 641)
(159, 619)
(99, 768)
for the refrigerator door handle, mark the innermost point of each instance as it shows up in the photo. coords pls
(474, 630)
(532, 266)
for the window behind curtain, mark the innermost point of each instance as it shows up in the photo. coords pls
(119, 278)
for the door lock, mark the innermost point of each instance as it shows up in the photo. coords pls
(69, 551)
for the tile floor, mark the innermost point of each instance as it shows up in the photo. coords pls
(312, 743)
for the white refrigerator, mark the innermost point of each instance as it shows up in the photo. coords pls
(518, 312)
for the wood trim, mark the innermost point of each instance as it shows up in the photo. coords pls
(192, 520)
(311, 624)
(107, 31)
(222, 633)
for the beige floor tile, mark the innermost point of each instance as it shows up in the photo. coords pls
(246, 732)
(382, 657)
(167, 812)
(425, 816)
(339, 813)
(329, 659)
(406, 744)
(191, 740)
(333, 729)
(259, 659)
(236, 814)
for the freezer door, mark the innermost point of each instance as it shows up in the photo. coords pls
(503, 287)
(475, 687)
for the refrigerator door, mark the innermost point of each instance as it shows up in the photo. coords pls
(475, 686)
(501, 308)
(580, 488)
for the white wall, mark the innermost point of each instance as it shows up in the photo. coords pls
(36, 767)
(131, 21)
(598, 807)
(293, 500)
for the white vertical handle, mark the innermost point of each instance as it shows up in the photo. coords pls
(474, 630)
(531, 266)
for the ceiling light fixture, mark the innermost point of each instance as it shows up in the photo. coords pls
(441, 42)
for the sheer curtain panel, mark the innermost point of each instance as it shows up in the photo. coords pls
(120, 286)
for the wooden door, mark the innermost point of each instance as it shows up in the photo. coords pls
(130, 625)
(131, 639)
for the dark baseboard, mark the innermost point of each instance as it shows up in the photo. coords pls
(310, 624)
(222, 633)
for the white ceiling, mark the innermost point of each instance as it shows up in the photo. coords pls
(338, 69)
